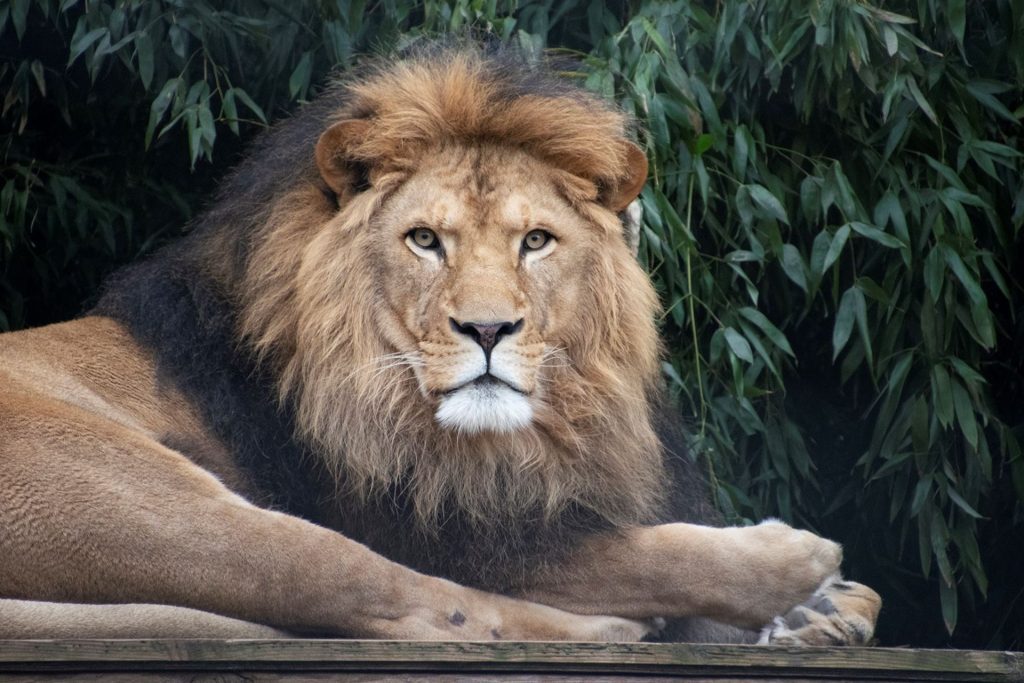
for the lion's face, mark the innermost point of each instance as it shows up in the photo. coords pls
(482, 263)
(449, 305)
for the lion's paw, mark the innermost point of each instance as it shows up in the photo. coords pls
(839, 613)
(786, 566)
(812, 556)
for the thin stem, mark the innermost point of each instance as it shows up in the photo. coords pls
(690, 306)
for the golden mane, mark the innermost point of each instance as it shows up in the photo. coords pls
(306, 298)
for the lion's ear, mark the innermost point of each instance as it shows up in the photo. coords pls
(633, 179)
(343, 174)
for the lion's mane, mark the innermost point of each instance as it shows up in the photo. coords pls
(268, 320)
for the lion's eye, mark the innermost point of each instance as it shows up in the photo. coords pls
(536, 239)
(424, 238)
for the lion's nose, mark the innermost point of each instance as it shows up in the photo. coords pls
(487, 335)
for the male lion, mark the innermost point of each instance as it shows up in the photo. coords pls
(400, 381)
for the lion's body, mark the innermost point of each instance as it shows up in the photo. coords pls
(281, 417)
(192, 330)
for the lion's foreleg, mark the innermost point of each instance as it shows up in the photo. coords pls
(743, 576)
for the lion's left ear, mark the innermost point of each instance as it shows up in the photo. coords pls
(632, 180)
(343, 173)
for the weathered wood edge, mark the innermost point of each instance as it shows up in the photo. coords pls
(405, 656)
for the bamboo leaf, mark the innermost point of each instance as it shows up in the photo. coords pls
(969, 374)
(144, 55)
(948, 598)
(207, 128)
(985, 93)
(704, 142)
(739, 158)
(934, 273)
(84, 42)
(810, 197)
(963, 504)
(940, 542)
(965, 413)
(771, 331)
(845, 319)
(942, 395)
(793, 266)
(755, 342)
(924, 542)
(195, 135)
(956, 11)
(922, 491)
(248, 102)
(919, 97)
(860, 310)
(179, 40)
(891, 17)
(892, 43)
(981, 316)
(919, 426)
(960, 270)
(739, 345)
(229, 111)
(39, 76)
(19, 16)
(298, 83)
(876, 235)
(159, 107)
(768, 202)
(889, 210)
(835, 247)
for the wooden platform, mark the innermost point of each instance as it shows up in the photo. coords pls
(348, 660)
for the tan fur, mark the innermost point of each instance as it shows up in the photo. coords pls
(360, 331)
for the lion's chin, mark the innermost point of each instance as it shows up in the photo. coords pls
(485, 406)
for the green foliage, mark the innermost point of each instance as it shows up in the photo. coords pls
(825, 189)
(833, 220)
(111, 108)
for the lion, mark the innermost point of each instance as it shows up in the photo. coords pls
(401, 380)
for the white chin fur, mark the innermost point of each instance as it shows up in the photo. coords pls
(489, 407)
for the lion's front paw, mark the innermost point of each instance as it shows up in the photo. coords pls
(788, 566)
(809, 555)
(839, 613)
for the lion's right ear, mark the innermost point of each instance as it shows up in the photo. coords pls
(632, 180)
(342, 173)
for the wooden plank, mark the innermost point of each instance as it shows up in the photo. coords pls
(302, 677)
(278, 677)
(294, 660)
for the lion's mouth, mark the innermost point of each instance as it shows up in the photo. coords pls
(485, 381)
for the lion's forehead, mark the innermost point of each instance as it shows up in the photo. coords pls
(484, 193)
(466, 217)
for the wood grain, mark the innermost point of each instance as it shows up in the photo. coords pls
(314, 660)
